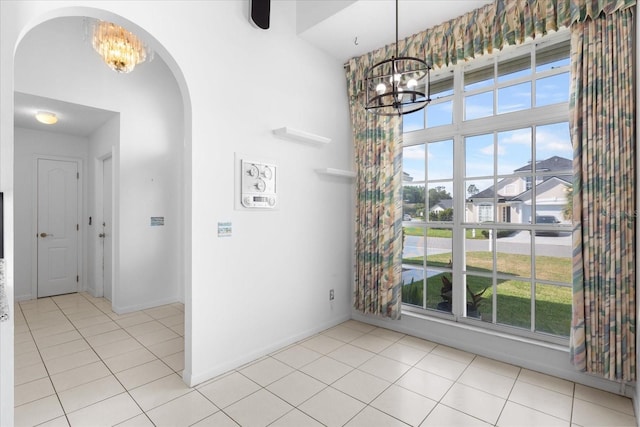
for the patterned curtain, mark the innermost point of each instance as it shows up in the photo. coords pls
(378, 230)
(377, 141)
(603, 135)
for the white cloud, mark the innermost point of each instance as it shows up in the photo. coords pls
(487, 150)
(415, 152)
(552, 141)
(520, 137)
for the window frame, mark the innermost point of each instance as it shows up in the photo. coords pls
(458, 131)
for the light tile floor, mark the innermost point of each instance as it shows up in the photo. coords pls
(77, 363)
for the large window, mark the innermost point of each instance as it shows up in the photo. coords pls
(487, 194)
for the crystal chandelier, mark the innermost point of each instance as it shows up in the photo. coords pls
(120, 49)
(397, 86)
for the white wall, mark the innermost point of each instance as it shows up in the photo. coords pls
(149, 160)
(103, 142)
(268, 284)
(29, 144)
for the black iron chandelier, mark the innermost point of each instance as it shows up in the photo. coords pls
(397, 86)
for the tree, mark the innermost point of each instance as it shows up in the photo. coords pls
(472, 190)
(413, 194)
(436, 194)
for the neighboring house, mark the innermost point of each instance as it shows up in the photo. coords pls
(406, 177)
(442, 205)
(514, 194)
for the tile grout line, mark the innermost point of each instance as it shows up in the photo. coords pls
(61, 310)
(64, 412)
(517, 379)
(126, 390)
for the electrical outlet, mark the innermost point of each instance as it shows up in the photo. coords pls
(331, 295)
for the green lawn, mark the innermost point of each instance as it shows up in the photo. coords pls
(553, 303)
(440, 232)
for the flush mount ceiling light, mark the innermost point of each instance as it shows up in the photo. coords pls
(397, 86)
(46, 117)
(120, 49)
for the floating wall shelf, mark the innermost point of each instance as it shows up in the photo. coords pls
(300, 136)
(337, 172)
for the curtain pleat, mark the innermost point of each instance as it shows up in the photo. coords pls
(603, 135)
(378, 230)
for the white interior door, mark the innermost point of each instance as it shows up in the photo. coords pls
(107, 214)
(58, 229)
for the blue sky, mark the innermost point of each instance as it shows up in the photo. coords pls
(513, 149)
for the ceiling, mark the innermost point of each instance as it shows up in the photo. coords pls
(73, 119)
(365, 25)
(342, 28)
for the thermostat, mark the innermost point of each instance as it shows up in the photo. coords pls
(258, 185)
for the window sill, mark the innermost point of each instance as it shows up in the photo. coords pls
(547, 358)
(494, 333)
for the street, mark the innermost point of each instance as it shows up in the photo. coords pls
(558, 246)
(519, 243)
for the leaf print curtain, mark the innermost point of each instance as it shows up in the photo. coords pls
(378, 229)
(377, 141)
(603, 135)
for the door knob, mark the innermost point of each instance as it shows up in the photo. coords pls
(46, 235)
(101, 235)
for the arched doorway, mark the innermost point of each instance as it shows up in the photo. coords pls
(137, 163)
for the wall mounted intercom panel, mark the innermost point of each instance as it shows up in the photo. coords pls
(259, 188)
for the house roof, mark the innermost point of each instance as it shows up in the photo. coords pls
(444, 204)
(551, 164)
(485, 194)
(555, 163)
(526, 195)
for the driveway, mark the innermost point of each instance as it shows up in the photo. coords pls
(519, 243)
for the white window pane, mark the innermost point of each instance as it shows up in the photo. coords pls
(413, 164)
(441, 201)
(514, 303)
(514, 98)
(440, 114)
(513, 253)
(553, 309)
(413, 285)
(552, 57)
(440, 160)
(479, 155)
(480, 199)
(553, 140)
(478, 252)
(552, 90)
(413, 121)
(477, 79)
(413, 202)
(478, 106)
(442, 88)
(514, 152)
(514, 68)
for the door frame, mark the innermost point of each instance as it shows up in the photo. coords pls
(34, 221)
(99, 185)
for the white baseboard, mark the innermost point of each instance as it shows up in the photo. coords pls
(550, 359)
(193, 379)
(146, 305)
(22, 297)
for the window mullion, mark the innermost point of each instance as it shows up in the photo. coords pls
(458, 256)
(511, 195)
